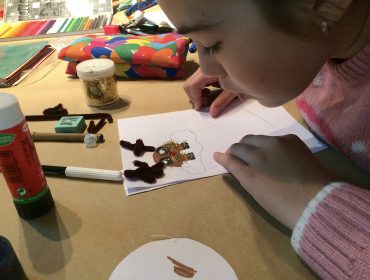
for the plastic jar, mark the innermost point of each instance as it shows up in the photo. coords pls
(19, 162)
(98, 79)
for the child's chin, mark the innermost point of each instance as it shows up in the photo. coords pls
(271, 102)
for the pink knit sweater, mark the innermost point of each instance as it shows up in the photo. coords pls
(333, 233)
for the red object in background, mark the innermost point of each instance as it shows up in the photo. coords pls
(1, 13)
(32, 28)
(111, 29)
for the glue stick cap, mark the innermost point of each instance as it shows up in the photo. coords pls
(96, 68)
(10, 112)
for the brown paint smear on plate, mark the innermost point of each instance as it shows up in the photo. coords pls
(182, 269)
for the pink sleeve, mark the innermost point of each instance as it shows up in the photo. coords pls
(333, 233)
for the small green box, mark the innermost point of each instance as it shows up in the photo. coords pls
(70, 125)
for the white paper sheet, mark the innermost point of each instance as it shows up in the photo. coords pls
(150, 262)
(205, 135)
(159, 18)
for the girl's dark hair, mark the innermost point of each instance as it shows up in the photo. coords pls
(289, 16)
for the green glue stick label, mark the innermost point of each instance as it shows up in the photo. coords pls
(6, 139)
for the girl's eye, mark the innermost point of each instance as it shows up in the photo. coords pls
(213, 49)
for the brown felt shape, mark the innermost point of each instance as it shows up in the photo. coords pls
(144, 172)
(57, 110)
(138, 148)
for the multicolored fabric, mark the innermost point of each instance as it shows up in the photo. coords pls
(138, 71)
(136, 56)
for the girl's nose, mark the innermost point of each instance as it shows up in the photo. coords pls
(210, 66)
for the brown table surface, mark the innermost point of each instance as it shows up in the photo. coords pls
(94, 225)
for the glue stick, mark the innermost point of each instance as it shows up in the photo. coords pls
(19, 162)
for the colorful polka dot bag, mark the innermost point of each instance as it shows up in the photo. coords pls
(159, 56)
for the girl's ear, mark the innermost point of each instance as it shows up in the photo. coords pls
(331, 10)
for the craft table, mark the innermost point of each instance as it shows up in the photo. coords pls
(94, 225)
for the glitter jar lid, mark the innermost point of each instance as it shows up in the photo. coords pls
(95, 69)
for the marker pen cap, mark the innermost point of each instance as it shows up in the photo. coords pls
(19, 162)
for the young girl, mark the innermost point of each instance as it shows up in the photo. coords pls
(274, 51)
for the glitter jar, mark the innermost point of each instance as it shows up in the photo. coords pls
(98, 79)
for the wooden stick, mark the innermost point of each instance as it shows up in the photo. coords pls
(63, 137)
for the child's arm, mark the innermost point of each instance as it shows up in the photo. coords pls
(283, 176)
(333, 234)
(281, 173)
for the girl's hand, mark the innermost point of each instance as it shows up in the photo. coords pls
(281, 173)
(195, 89)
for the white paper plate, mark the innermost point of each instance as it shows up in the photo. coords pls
(150, 262)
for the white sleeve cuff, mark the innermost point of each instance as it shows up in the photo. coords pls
(303, 220)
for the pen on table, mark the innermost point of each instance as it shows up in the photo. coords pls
(132, 31)
(63, 137)
(82, 172)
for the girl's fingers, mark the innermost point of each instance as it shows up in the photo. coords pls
(195, 95)
(258, 141)
(194, 87)
(274, 143)
(249, 154)
(233, 164)
(221, 102)
(242, 171)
